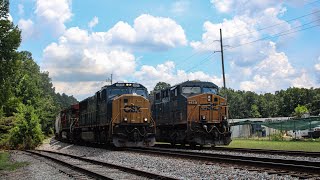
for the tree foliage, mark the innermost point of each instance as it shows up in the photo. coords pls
(300, 110)
(28, 102)
(283, 103)
(161, 86)
(27, 133)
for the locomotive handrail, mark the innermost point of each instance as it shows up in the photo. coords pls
(111, 129)
(154, 124)
(189, 117)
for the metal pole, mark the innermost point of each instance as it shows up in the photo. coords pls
(111, 79)
(221, 47)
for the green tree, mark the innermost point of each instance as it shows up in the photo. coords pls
(10, 38)
(161, 86)
(300, 110)
(255, 111)
(27, 132)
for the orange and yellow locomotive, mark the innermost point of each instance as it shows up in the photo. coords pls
(191, 113)
(118, 114)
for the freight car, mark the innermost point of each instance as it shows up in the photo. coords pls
(118, 114)
(66, 121)
(191, 113)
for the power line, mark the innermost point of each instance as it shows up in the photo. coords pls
(192, 55)
(202, 61)
(313, 2)
(278, 35)
(267, 27)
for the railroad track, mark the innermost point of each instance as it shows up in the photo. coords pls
(97, 169)
(268, 151)
(256, 151)
(301, 169)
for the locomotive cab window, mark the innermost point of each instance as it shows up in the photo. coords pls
(191, 90)
(210, 90)
(141, 92)
(115, 92)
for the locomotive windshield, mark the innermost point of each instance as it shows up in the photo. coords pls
(191, 90)
(120, 91)
(210, 90)
(141, 92)
(187, 91)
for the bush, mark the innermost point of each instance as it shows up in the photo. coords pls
(27, 132)
(276, 137)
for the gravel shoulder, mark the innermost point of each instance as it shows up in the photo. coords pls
(37, 169)
(169, 166)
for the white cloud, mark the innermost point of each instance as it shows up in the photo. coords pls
(242, 34)
(82, 58)
(78, 60)
(303, 81)
(222, 5)
(317, 66)
(20, 9)
(80, 90)
(93, 22)
(27, 27)
(77, 57)
(54, 14)
(275, 72)
(163, 32)
(317, 71)
(180, 7)
(244, 6)
(147, 33)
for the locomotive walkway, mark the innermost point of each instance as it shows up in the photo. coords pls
(96, 169)
(301, 169)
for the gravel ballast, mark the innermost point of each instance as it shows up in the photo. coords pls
(169, 166)
(37, 169)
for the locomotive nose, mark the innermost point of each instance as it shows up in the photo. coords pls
(132, 109)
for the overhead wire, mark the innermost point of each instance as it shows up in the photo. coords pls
(274, 25)
(185, 60)
(202, 61)
(283, 33)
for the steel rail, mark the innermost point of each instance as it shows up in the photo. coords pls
(281, 164)
(249, 150)
(76, 168)
(122, 168)
(269, 151)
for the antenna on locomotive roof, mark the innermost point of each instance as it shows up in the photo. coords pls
(109, 79)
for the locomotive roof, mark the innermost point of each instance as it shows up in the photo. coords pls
(123, 85)
(197, 83)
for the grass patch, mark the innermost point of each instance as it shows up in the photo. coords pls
(6, 164)
(276, 145)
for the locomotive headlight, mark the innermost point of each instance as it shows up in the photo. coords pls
(203, 117)
(209, 98)
(145, 119)
(125, 119)
(225, 118)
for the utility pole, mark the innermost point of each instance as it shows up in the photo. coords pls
(221, 46)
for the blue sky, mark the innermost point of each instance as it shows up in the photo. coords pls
(270, 44)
